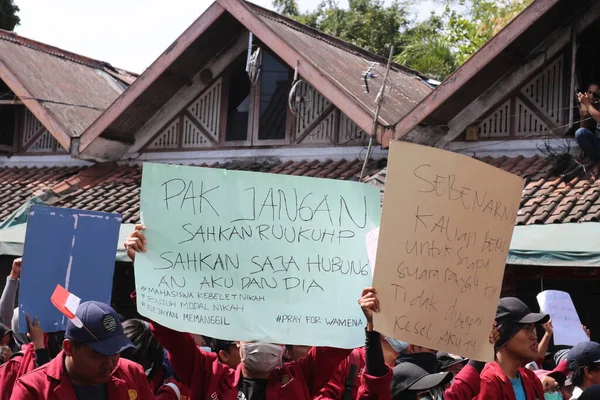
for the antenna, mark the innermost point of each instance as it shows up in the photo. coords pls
(366, 75)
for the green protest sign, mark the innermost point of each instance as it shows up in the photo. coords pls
(254, 256)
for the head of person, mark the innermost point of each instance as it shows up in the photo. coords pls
(92, 351)
(228, 352)
(594, 91)
(259, 359)
(584, 363)
(591, 393)
(554, 383)
(450, 363)
(148, 352)
(6, 335)
(203, 342)
(517, 327)
(295, 352)
(20, 338)
(411, 382)
(54, 342)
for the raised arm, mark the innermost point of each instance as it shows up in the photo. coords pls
(9, 294)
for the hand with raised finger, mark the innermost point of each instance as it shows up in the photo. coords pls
(135, 242)
(36, 334)
(15, 271)
(369, 304)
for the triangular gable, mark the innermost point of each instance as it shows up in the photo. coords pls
(66, 92)
(326, 63)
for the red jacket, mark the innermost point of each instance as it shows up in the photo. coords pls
(207, 378)
(14, 368)
(464, 387)
(336, 387)
(167, 391)
(50, 382)
(495, 385)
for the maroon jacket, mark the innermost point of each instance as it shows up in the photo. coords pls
(51, 382)
(464, 387)
(495, 385)
(207, 378)
(335, 388)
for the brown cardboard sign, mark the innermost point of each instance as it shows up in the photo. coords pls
(446, 227)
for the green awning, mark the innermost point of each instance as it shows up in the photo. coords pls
(556, 245)
(13, 237)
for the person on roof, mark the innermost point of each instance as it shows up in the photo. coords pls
(260, 375)
(587, 135)
(90, 366)
(518, 345)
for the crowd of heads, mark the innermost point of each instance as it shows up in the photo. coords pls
(94, 343)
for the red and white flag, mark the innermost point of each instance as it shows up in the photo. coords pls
(67, 304)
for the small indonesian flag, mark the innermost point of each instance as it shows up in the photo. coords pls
(67, 304)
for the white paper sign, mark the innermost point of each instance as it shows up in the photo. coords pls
(567, 325)
(372, 239)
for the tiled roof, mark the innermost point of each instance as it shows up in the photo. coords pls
(113, 188)
(554, 192)
(73, 88)
(548, 198)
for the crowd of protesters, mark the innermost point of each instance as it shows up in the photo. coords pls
(106, 357)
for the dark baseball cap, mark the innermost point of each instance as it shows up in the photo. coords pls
(102, 329)
(585, 353)
(446, 360)
(218, 345)
(513, 310)
(409, 376)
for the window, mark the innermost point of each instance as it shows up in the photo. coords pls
(238, 104)
(8, 115)
(274, 89)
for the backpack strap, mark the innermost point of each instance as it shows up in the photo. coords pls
(350, 382)
(175, 389)
(17, 354)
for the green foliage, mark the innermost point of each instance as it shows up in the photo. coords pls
(434, 47)
(471, 23)
(8, 15)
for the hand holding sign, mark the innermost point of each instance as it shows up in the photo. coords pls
(253, 256)
(566, 325)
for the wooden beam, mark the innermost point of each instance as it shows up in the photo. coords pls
(150, 75)
(56, 129)
(472, 66)
(198, 126)
(187, 94)
(342, 99)
(510, 82)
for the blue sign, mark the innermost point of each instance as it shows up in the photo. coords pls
(73, 248)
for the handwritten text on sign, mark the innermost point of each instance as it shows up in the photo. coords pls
(565, 320)
(254, 256)
(446, 227)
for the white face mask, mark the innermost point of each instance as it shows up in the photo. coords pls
(261, 358)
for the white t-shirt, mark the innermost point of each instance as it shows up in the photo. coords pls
(576, 393)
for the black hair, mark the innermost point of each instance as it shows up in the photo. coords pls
(578, 375)
(148, 352)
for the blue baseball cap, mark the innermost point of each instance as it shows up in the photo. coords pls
(583, 354)
(102, 329)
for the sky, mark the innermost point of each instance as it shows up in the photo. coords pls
(128, 34)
